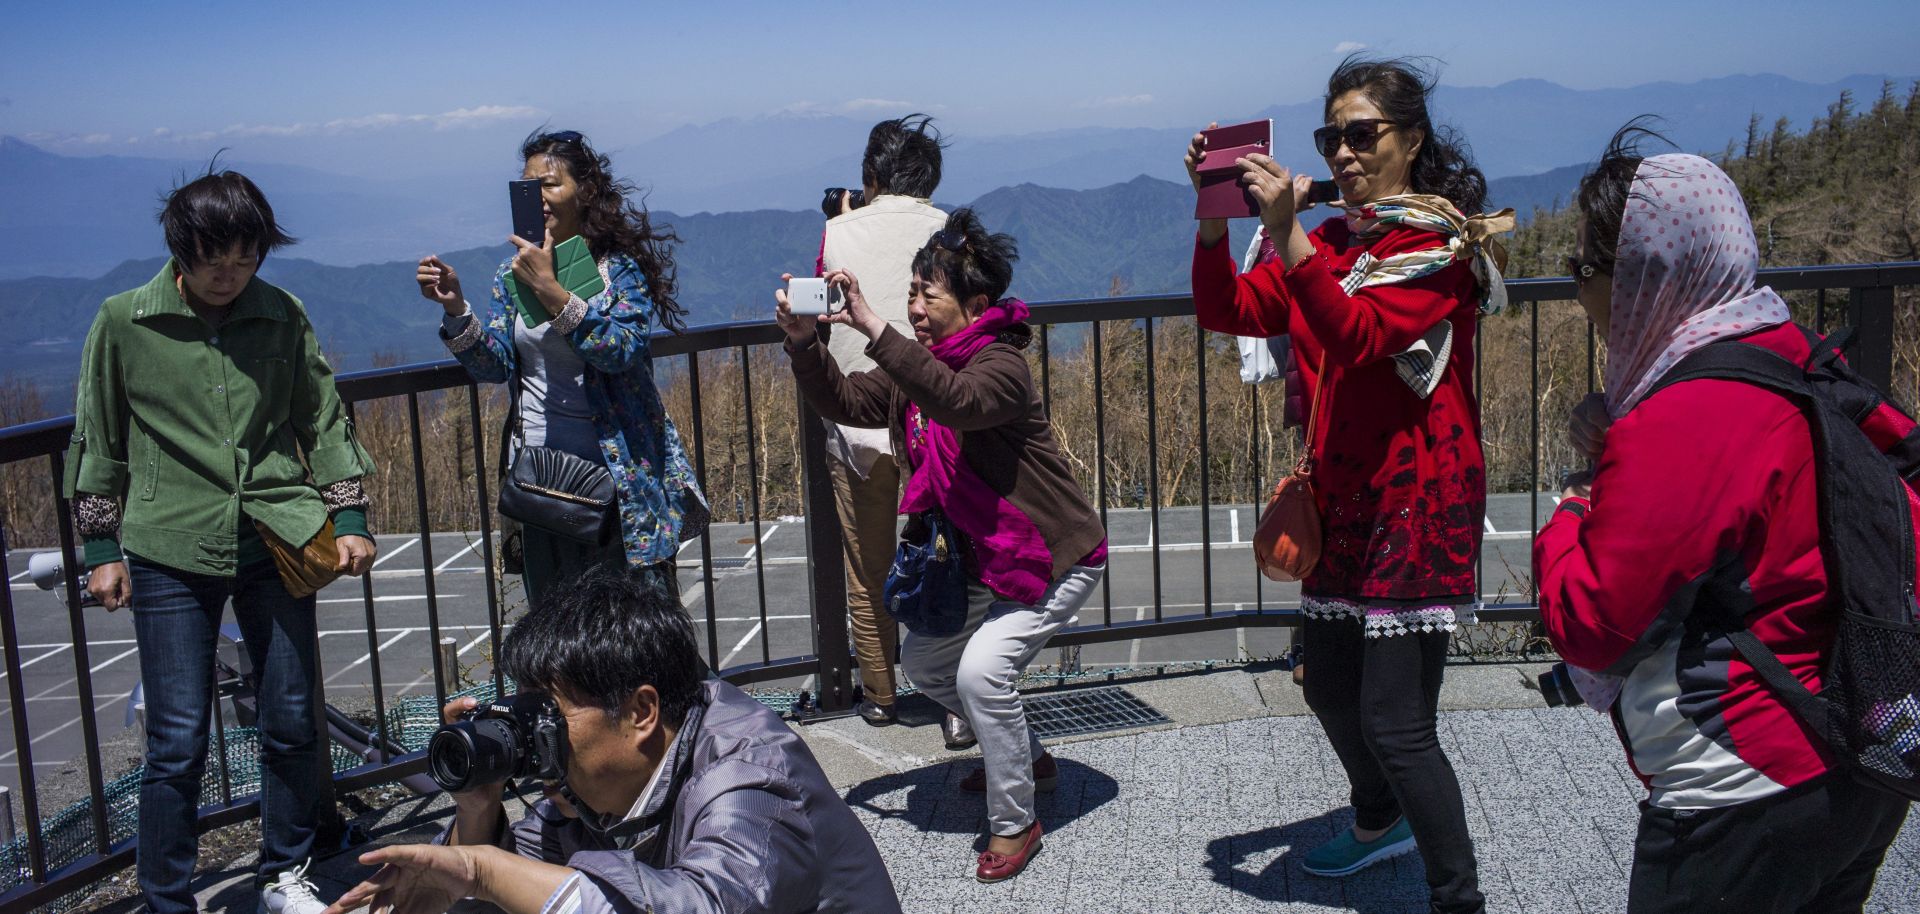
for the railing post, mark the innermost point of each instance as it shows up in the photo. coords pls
(1872, 320)
(826, 564)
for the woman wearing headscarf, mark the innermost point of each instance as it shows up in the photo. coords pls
(1692, 482)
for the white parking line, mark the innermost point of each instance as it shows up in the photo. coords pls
(403, 547)
(1133, 653)
(91, 644)
(738, 647)
(369, 655)
(362, 599)
(1489, 522)
(763, 542)
(19, 576)
(57, 648)
(1234, 516)
(443, 565)
(36, 740)
(469, 645)
(115, 659)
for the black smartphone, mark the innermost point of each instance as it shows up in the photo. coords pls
(528, 221)
(1323, 192)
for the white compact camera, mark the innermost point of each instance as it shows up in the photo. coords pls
(814, 297)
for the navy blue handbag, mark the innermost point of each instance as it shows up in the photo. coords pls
(927, 586)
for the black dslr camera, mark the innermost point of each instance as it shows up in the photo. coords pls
(831, 205)
(518, 736)
(1556, 686)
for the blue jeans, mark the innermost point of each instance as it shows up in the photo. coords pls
(176, 621)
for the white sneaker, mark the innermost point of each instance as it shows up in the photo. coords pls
(291, 893)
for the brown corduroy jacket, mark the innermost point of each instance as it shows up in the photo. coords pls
(992, 404)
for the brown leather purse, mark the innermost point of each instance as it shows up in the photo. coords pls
(1286, 544)
(305, 569)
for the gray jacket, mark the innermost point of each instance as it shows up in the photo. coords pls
(743, 822)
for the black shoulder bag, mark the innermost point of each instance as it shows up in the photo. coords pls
(557, 491)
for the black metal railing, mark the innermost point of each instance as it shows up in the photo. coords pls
(828, 669)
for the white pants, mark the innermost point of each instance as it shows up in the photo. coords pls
(973, 673)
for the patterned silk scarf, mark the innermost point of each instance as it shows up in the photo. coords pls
(1472, 239)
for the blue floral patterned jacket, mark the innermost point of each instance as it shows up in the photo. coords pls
(660, 500)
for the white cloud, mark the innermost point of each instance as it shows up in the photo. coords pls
(446, 120)
(1118, 101)
(1348, 47)
(865, 104)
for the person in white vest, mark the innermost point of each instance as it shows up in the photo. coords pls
(875, 239)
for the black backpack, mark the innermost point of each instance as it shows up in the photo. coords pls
(1868, 710)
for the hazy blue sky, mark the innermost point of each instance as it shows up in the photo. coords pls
(177, 79)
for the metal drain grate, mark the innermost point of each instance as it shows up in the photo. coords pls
(1083, 711)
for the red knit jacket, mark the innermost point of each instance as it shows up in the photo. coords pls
(1698, 469)
(1401, 480)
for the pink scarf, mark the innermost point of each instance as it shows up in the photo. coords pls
(1684, 275)
(1013, 558)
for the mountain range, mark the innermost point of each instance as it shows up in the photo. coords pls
(1096, 207)
(81, 216)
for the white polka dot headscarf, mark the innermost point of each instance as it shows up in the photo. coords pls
(1684, 274)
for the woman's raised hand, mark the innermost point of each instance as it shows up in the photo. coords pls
(1196, 151)
(799, 327)
(440, 284)
(1587, 427)
(1280, 193)
(856, 313)
(533, 264)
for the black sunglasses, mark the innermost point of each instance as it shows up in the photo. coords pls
(951, 240)
(563, 136)
(1360, 136)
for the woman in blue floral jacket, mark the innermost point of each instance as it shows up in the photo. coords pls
(585, 376)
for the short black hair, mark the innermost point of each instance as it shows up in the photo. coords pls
(207, 216)
(903, 156)
(1603, 193)
(981, 264)
(600, 637)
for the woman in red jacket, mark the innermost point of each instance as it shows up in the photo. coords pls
(1744, 813)
(1381, 306)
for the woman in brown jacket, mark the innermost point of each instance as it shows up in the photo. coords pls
(963, 409)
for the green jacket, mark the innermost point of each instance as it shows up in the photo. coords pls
(197, 429)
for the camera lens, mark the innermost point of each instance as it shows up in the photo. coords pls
(473, 753)
(830, 204)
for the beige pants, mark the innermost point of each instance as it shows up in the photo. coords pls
(869, 511)
(975, 674)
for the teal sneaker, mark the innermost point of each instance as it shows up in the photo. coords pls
(1345, 855)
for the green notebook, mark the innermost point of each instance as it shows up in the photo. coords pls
(573, 265)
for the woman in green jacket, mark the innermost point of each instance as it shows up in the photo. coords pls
(207, 423)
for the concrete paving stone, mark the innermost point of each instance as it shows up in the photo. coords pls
(1252, 797)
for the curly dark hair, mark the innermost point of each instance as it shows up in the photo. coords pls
(611, 221)
(1399, 88)
(1603, 193)
(968, 260)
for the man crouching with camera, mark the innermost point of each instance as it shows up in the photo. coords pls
(666, 789)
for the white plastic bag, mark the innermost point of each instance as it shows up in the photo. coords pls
(1257, 365)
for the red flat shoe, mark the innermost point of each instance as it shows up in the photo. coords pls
(1000, 867)
(1046, 776)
